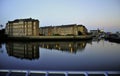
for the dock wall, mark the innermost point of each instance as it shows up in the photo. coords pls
(52, 38)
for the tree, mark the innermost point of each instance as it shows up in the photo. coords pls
(1, 26)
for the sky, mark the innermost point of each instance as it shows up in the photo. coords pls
(93, 14)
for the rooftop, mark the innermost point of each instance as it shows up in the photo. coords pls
(27, 19)
(68, 25)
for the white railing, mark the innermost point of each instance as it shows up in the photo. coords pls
(65, 73)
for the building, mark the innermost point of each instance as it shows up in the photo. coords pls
(94, 33)
(63, 30)
(22, 27)
(98, 33)
(118, 33)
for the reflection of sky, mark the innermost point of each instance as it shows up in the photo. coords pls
(104, 14)
(101, 55)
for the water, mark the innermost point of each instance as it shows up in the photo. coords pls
(61, 55)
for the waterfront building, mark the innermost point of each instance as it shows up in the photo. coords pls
(98, 33)
(95, 33)
(22, 27)
(118, 33)
(64, 30)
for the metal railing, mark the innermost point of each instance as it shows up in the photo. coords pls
(55, 73)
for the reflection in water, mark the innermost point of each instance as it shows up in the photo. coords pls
(61, 55)
(31, 50)
(0, 45)
(1, 50)
(71, 47)
(23, 50)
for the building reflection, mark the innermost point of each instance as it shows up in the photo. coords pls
(31, 50)
(0, 45)
(1, 48)
(71, 46)
(23, 50)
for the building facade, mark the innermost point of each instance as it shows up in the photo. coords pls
(63, 30)
(22, 27)
(97, 33)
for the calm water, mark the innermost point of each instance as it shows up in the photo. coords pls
(62, 55)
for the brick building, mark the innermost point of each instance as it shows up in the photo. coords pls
(71, 29)
(22, 27)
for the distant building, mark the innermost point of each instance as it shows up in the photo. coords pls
(63, 30)
(97, 33)
(118, 33)
(94, 32)
(22, 27)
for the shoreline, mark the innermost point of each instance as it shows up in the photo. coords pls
(48, 38)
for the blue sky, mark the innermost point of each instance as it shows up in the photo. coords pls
(103, 14)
